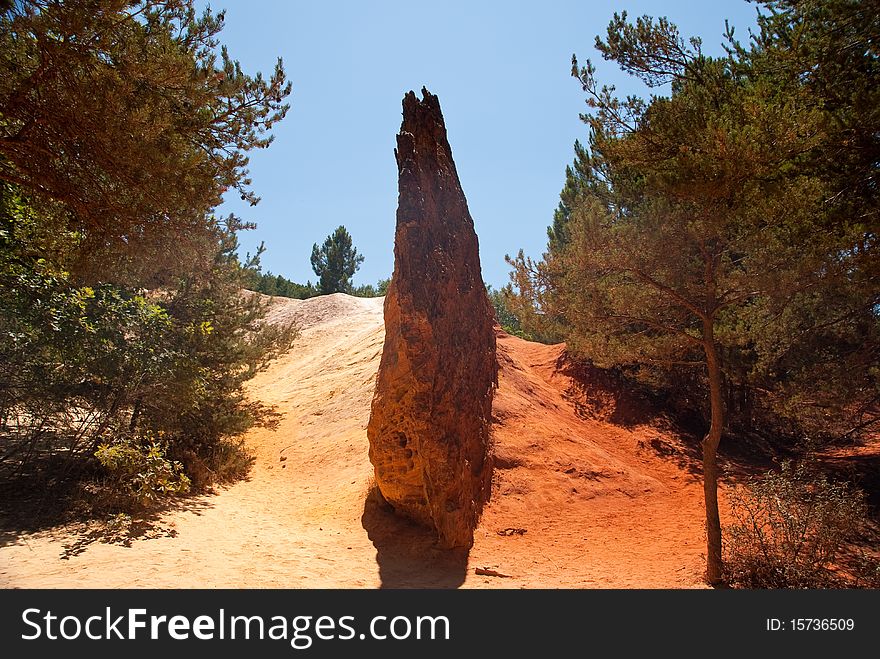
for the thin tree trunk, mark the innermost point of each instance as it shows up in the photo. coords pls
(714, 573)
(135, 415)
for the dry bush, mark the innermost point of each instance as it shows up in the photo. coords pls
(789, 527)
(225, 461)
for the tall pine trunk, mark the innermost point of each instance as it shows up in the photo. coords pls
(714, 571)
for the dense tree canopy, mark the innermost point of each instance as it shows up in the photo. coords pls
(125, 336)
(727, 230)
(125, 113)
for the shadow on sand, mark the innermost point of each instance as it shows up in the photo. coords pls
(407, 554)
(62, 513)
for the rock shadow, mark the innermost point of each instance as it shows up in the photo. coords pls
(408, 554)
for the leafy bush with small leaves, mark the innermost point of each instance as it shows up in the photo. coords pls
(789, 527)
(121, 305)
(82, 364)
(139, 472)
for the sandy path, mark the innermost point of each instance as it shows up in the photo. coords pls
(598, 508)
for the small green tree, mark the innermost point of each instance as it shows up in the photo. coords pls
(86, 366)
(507, 306)
(335, 262)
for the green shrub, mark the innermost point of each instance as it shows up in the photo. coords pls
(80, 364)
(139, 473)
(789, 527)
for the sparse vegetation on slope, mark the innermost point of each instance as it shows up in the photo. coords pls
(789, 529)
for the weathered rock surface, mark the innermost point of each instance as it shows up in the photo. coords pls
(430, 416)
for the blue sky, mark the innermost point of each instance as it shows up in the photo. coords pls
(502, 73)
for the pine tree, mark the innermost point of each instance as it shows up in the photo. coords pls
(335, 262)
(125, 113)
(699, 236)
